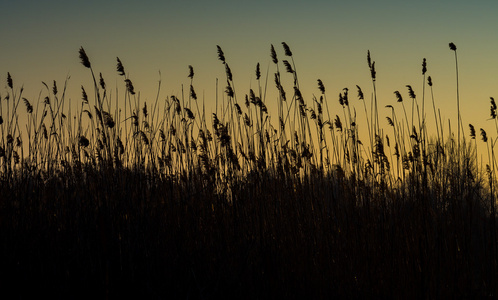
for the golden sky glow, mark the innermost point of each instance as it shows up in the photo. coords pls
(40, 42)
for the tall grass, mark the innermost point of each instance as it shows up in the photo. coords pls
(117, 195)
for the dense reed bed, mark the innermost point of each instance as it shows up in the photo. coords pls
(118, 197)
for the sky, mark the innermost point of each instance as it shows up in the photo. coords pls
(39, 41)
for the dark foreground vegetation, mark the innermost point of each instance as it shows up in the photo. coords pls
(121, 201)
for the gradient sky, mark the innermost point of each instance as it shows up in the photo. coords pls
(329, 39)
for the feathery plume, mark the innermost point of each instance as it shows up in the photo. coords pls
(424, 66)
(102, 82)
(282, 93)
(252, 96)
(452, 47)
(493, 108)
(398, 96)
(229, 91)
(410, 92)
(129, 86)
(192, 93)
(108, 121)
(9, 80)
(29, 107)
(484, 136)
(277, 80)
(221, 56)
(83, 141)
(84, 95)
(54, 88)
(337, 123)
(120, 67)
(190, 72)
(472, 132)
(321, 87)
(288, 67)
(84, 58)
(144, 110)
(258, 72)
(273, 55)
(372, 71)
(287, 50)
(360, 93)
(190, 114)
(345, 96)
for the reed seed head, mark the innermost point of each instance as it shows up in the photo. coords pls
(429, 81)
(84, 58)
(83, 141)
(484, 136)
(29, 107)
(192, 93)
(190, 114)
(360, 93)
(282, 93)
(273, 55)
(410, 92)
(373, 72)
(228, 71)
(190, 72)
(9, 80)
(472, 132)
(321, 87)
(239, 110)
(54, 88)
(452, 47)
(277, 80)
(221, 56)
(252, 96)
(102, 82)
(424, 66)
(288, 67)
(84, 96)
(108, 121)
(345, 96)
(120, 68)
(493, 108)
(398, 96)
(129, 86)
(144, 110)
(287, 50)
(337, 123)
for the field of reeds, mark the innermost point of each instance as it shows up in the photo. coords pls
(116, 197)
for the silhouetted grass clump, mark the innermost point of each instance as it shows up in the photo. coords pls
(163, 200)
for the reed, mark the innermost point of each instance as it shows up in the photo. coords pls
(157, 198)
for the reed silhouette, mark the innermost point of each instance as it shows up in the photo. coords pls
(162, 200)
